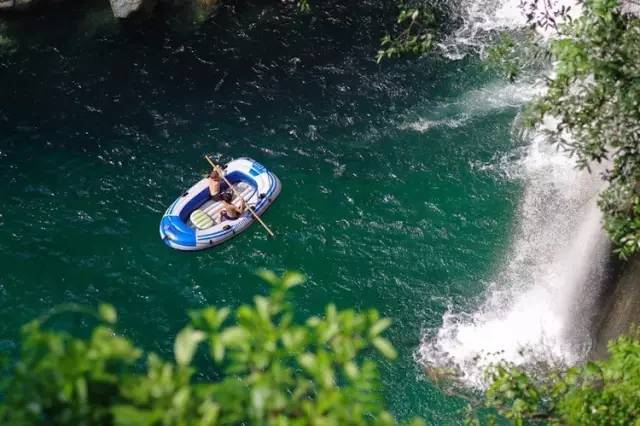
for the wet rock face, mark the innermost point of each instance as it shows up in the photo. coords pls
(620, 306)
(121, 8)
(17, 4)
(126, 8)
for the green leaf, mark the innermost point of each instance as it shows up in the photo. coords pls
(379, 326)
(313, 321)
(307, 361)
(235, 336)
(351, 370)
(212, 317)
(107, 313)
(592, 368)
(186, 343)
(217, 348)
(270, 277)
(416, 421)
(181, 398)
(128, 415)
(385, 419)
(291, 279)
(81, 390)
(262, 307)
(385, 347)
(210, 413)
(259, 396)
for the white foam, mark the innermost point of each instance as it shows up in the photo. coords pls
(474, 104)
(483, 19)
(423, 125)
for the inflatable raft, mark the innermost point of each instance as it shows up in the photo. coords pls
(192, 222)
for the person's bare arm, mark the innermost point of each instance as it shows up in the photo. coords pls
(232, 209)
(239, 210)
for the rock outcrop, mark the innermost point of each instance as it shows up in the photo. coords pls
(17, 4)
(126, 8)
(620, 306)
(121, 8)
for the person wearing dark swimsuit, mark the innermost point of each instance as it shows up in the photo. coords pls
(229, 211)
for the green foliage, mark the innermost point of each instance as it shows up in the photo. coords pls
(597, 393)
(416, 35)
(304, 5)
(595, 97)
(501, 54)
(511, 53)
(621, 204)
(268, 369)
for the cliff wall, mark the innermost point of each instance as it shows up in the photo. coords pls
(619, 305)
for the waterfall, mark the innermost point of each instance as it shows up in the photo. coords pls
(540, 305)
(540, 302)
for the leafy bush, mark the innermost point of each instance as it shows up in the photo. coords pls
(416, 24)
(269, 369)
(597, 393)
(512, 53)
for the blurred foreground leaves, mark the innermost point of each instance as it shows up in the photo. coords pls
(268, 369)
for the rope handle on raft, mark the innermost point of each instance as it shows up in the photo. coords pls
(221, 173)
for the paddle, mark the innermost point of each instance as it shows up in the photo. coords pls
(221, 173)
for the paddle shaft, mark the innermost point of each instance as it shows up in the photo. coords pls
(221, 173)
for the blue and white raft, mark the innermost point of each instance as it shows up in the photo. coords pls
(192, 222)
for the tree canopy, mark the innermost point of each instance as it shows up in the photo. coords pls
(594, 98)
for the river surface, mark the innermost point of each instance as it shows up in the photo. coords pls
(400, 180)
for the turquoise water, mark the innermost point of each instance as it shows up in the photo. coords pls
(393, 193)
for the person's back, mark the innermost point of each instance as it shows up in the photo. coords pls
(214, 185)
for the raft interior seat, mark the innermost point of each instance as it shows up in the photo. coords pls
(201, 220)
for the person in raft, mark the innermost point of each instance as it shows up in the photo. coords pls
(229, 211)
(214, 185)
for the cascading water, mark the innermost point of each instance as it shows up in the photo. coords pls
(482, 19)
(540, 303)
(539, 306)
(479, 19)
